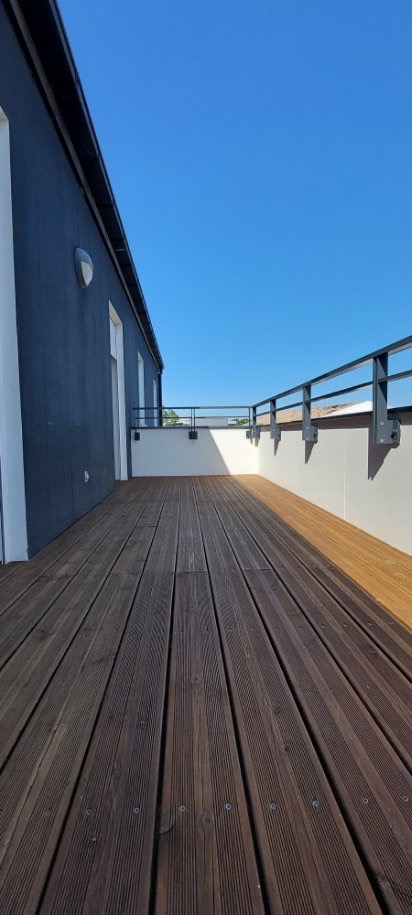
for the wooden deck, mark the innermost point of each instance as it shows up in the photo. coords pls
(380, 569)
(200, 712)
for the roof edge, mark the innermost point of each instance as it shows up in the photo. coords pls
(42, 32)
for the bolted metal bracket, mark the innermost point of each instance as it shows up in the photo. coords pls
(309, 431)
(388, 432)
(254, 431)
(136, 436)
(385, 431)
(193, 434)
(275, 430)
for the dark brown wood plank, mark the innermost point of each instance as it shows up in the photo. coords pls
(26, 674)
(21, 576)
(370, 779)
(63, 691)
(383, 688)
(32, 839)
(104, 858)
(309, 861)
(365, 770)
(29, 607)
(389, 633)
(206, 859)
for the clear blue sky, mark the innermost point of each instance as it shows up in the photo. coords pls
(261, 157)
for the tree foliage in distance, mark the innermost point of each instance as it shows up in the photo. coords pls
(242, 421)
(170, 417)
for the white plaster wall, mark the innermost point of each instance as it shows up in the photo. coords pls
(368, 485)
(379, 487)
(12, 492)
(170, 452)
(300, 467)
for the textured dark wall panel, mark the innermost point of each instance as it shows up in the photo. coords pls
(64, 343)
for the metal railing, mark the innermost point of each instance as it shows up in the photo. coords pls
(385, 428)
(191, 418)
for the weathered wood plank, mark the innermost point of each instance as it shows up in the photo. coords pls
(287, 691)
(104, 859)
(382, 687)
(25, 676)
(368, 775)
(206, 858)
(33, 840)
(392, 637)
(383, 571)
(30, 607)
(308, 858)
(21, 576)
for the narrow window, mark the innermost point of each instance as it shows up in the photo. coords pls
(118, 395)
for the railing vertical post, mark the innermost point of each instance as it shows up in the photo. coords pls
(385, 431)
(160, 398)
(275, 431)
(254, 424)
(309, 431)
(192, 430)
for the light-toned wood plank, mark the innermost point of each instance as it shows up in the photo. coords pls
(385, 690)
(392, 636)
(309, 861)
(383, 571)
(367, 773)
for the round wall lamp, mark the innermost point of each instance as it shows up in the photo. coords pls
(84, 267)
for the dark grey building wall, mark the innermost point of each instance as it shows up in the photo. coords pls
(64, 333)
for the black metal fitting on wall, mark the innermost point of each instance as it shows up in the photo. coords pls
(253, 426)
(309, 431)
(275, 430)
(385, 431)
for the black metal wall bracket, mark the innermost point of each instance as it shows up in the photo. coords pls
(309, 431)
(193, 434)
(275, 430)
(388, 432)
(385, 431)
(136, 436)
(254, 431)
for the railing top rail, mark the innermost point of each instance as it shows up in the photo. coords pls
(390, 350)
(215, 407)
(173, 407)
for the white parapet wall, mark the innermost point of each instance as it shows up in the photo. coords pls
(170, 452)
(344, 472)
